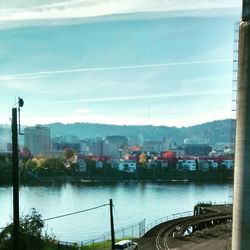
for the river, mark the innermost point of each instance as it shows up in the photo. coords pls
(133, 201)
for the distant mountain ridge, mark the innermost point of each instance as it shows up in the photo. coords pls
(210, 132)
(219, 131)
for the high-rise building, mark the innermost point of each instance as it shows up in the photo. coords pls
(96, 147)
(135, 141)
(37, 139)
(153, 145)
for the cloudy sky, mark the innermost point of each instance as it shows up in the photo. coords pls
(154, 62)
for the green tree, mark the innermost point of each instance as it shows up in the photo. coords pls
(30, 165)
(31, 236)
(54, 165)
(5, 170)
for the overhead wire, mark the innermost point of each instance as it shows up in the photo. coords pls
(73, 213)
(69, 214)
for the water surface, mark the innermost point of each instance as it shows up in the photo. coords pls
(133, 201)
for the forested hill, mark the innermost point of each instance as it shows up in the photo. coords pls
(210, 132)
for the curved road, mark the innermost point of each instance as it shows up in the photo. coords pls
(161, 236)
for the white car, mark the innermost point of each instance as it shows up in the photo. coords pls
(126, 245)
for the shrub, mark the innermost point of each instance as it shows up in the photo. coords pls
(30, 237)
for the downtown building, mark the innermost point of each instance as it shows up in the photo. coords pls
(37, 139)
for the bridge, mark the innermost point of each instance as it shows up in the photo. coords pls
(191, 232)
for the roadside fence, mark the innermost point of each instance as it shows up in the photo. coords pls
(168, 218)
(64, 245)
(133, 231)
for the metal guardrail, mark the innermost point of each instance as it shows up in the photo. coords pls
(168, 218)
(181, 214)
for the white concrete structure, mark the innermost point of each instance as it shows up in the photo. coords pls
(241, 206)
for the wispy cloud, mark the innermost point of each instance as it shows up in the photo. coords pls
(142, 97)
(27, 87)
(126, 67)
(89, 8)
(82, 111)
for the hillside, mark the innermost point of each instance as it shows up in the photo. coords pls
(210, 132)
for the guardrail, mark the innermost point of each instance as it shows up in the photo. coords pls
(168, 218)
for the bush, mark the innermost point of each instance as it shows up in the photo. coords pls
(30, 236)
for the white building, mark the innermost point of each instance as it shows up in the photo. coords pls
(99, 164)
(37, 139)
(110, 149)
(212, 164)
(228, 164)
(127, 166)
(135, 141)
(84, 147)
(153, 145)
(81, 165)
(96, 147)
(186, 164)
(190, 165)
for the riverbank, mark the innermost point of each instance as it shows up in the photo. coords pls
(30, 177)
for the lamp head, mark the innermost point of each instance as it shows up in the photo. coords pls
(20, 102)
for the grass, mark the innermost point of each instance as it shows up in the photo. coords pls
(106, 245)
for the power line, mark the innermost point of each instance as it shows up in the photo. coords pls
(78, 212)
(73, 213)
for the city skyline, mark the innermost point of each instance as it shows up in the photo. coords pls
(120, 69)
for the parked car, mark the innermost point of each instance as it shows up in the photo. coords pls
(126, 245)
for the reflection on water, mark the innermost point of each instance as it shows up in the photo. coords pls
(133, 202)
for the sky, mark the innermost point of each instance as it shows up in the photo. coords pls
(127, 62)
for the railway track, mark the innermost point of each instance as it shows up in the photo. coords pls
(163, 233)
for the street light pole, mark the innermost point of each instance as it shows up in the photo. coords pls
(15, 176)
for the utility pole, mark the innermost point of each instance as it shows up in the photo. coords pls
(112, 225)
(15, 176)
(15, 173)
